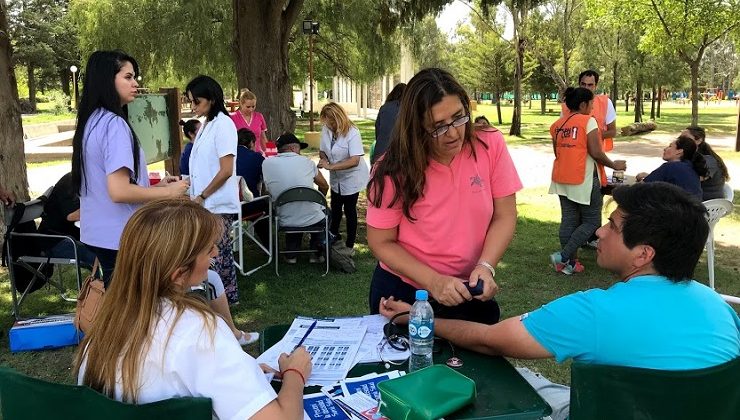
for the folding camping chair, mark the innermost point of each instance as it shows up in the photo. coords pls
(40, 256)
(244, 226)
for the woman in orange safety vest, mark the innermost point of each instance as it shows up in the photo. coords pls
(576, 177)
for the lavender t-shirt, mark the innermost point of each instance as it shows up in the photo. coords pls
(107, 147)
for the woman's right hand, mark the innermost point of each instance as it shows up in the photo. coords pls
(177, 189)
(300, 360)
(450, 291)
(641, 176)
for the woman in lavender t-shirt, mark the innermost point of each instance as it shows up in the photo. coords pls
(108, 164)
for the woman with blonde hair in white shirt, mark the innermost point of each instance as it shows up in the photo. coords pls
(341, 153)
(153, 341)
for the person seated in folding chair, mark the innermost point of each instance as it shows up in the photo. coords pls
(249, 167)
(655, 316)
(288, 170)
(61, 211)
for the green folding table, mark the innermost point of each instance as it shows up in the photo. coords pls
(502, 392)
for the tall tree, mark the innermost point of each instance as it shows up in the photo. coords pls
(12, 159)
(262, 31)
(688, 28)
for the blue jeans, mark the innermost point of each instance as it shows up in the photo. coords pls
(578, 221)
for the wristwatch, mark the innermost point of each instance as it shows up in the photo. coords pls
(202, 196)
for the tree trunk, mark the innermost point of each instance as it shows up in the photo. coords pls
(530, 102)
(543, 103)
(516, 117)
(615, 96)
(694, 66)
(64, 81)
(627, 102)
(498, 107)
(660, 100)
(652, 103)
(31, 87)
(638, 102)
(261, 26)
(12, 158)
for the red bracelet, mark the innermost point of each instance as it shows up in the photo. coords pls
(303, 378)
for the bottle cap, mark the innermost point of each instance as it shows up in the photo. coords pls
(422, 295)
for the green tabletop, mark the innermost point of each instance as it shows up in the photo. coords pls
(502, 392)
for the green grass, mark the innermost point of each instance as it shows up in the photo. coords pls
(45, 114)
(524, 274)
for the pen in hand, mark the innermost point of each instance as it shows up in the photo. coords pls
(310, 328)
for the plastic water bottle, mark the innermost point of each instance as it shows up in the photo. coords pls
(421, 332)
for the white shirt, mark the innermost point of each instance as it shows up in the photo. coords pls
(193, 364)
(285, 171)
(611, 113)
(351, 180)
(215, 139)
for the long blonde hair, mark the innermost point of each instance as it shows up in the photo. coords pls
(334, 112)
(160, 238)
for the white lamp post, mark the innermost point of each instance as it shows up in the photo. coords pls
(74, 69)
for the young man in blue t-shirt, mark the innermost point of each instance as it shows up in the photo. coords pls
(654, 317)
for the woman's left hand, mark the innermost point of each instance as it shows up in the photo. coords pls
(323, 164)
(490, 288)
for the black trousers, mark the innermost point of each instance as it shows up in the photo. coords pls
(386, 284)
(348, 205)
(107, 258)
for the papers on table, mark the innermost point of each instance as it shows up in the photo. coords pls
(336, 345)
(353, 398)
(372, 343)
(333, 345)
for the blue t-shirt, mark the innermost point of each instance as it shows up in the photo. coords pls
(679, 173)
(648, 322)
(185, 159)
(249, 167)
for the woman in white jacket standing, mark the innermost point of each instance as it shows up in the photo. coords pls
(213, 182)
(341, 154)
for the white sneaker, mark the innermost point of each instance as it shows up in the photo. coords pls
(315, 260)
(291, 260)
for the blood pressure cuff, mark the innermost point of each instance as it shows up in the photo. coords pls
(427, 394)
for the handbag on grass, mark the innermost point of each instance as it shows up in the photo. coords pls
(89, 299)
(427, 394)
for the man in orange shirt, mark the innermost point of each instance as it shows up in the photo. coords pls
(604, 112)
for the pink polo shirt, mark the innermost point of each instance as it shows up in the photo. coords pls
(257, 126)
(453, 214)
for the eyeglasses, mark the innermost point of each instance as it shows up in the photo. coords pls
(442, 129)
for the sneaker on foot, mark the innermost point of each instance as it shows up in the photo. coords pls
(292, 260)
(578, 267)
(314, 259)
(556, 259)
(568, 268)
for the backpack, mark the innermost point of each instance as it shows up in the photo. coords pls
(341, 258)
(25, 246)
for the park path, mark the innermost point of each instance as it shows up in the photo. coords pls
(533, 162)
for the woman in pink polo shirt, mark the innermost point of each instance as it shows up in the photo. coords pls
(441, 203)
(247, 117)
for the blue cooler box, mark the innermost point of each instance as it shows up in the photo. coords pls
(44, 333)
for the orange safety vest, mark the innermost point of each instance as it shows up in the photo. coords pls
(571, 150)
(601, 106)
